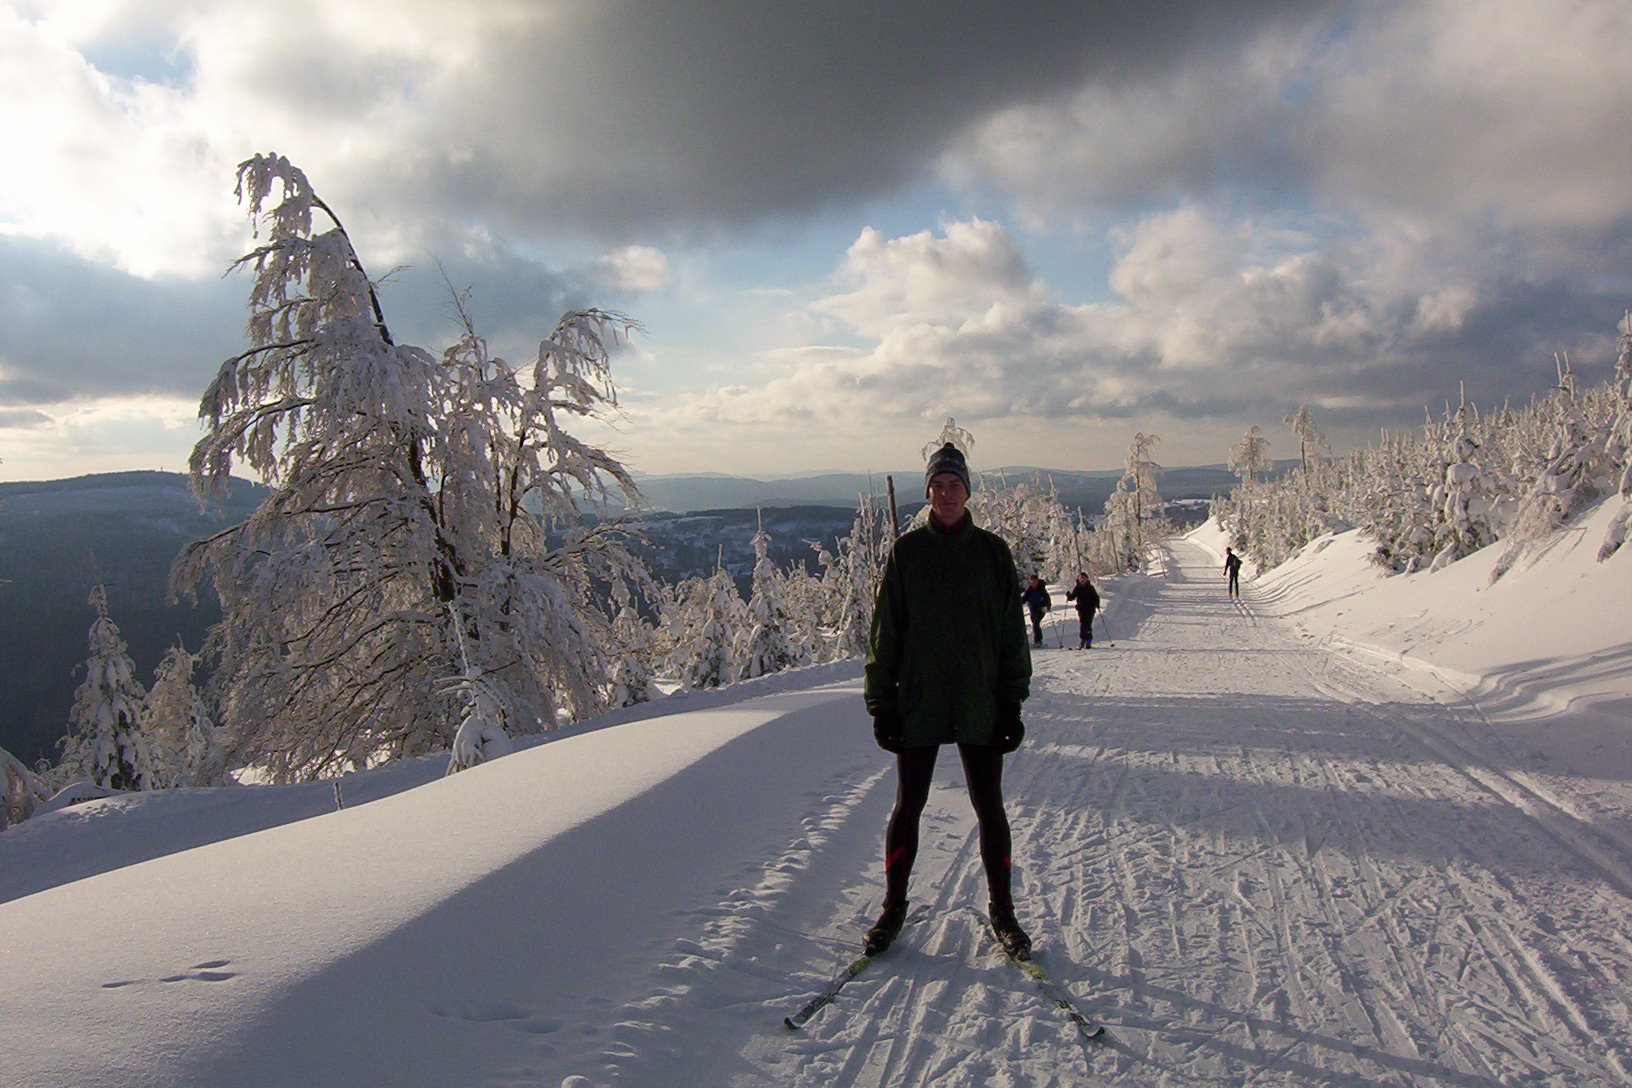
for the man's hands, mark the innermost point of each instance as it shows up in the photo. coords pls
(887, 730)
(1010, 731)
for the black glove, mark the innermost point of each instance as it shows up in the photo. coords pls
(887, 730)
(1009, 730)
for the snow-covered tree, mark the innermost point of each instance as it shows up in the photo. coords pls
(1131, 508)
(850, 575)
(1618, 450)
(810, 609)
(959, 438)
(1250, 456)
(634, 653)
(21, 790)
(1577, 470)
(706, 614)
(1463, 499)
(1142, 474)
(1312, 441)
(1121, 534)
(481, 734)
(767, 644)
(1009, 512)
(105, 743)
(182, 736)
(401, 485)
(1037, 528)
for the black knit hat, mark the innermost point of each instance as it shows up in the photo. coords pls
(947, 459)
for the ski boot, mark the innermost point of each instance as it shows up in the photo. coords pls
(1008, 932)
(886, 928)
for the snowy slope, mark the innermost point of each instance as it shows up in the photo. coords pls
(1259, 854)
(1544, 654)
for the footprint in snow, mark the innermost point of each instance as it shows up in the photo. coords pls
(208, 971)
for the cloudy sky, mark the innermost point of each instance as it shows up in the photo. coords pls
(838, 223)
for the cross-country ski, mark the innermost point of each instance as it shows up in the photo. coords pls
(824, 997)
(1086, 1028)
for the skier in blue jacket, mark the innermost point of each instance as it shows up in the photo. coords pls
(1037, 602)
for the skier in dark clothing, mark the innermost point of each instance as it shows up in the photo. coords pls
(1037, 602)
(1087, 599)
(1232, 571)
(947, 663)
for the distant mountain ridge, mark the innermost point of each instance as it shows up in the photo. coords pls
(682, 493)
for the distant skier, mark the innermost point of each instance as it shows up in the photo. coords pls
(1037, 602)
(1232, 571)
(947, 662)
(1087, 600)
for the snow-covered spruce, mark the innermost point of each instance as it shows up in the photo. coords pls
(1575, 471)
(850, 578)
(182, 737)
(766, 643)
(634, 653)
(703, 616)
(105, 743)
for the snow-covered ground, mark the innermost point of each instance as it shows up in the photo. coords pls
(1348, 831)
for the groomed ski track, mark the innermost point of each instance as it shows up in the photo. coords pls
(1257, 861)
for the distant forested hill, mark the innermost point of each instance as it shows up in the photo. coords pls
(59, 537)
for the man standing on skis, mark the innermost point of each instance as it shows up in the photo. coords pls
(1087, 600)
(1232, 572)
(947, 663)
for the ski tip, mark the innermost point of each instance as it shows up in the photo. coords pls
(787, 1022)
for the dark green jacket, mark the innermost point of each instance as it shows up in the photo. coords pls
(948, 640)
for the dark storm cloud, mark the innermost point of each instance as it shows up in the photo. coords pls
(631, 116)
(1503, 351)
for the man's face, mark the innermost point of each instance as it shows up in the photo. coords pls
(947, 497)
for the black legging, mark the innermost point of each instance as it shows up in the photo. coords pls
(914, 767)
